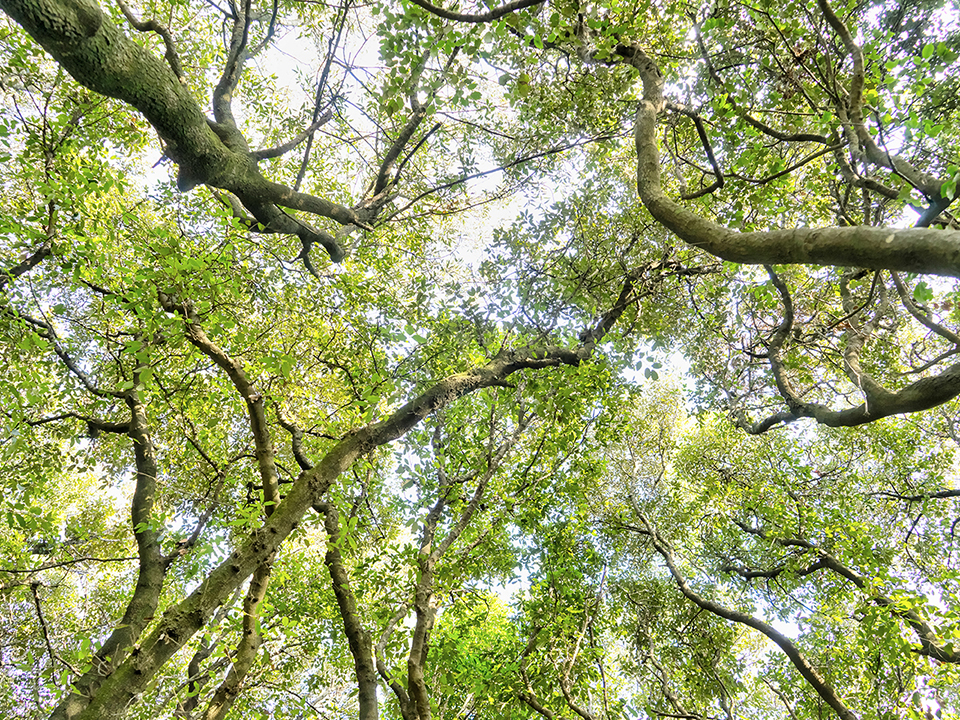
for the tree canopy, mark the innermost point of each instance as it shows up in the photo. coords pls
(538, 360)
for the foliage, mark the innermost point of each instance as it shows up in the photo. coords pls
(346, 374)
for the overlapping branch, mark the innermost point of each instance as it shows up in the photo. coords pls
(824, 689)
(930, 643)
(180, 622)
(251, 638)
(99, 56)
(879, 402)
(923, 250)
(859, 136)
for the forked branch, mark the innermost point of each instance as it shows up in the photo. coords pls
(88, 45)
(824, 689)
(922, 250)
(180, 622)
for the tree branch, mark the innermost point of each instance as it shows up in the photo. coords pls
(152, 568)
(879, 402)
(100, 57)
(799, 660)
(910, 249)
(250, 642)
(286, 147)
(930, 644)
(488, 16)
(358, 638)
(252, 397)
(926, 183)
(27, 264)
(153, 26)
(183, 620)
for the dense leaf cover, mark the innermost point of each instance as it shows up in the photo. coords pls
(548, 359)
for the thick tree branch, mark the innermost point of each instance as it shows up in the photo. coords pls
(197, 678)
(878, 402)
(859, 332)
(407, 709)
(358, 638)
(237, 55)
(181, 621)
(99, 56)
(910, 249)
(146, 595)
(418, 111)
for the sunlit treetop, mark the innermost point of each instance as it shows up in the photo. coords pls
(479, 361)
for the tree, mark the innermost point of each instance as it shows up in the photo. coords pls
(240, 484)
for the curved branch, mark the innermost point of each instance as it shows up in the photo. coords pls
(749, 119)
(708, 149)
(922, 250)
(928, 184)
(252, 397)
(296, 440)
(153, 26)
(237, 55)
(878, 402)
(54, 656)
(922, 316)
(181, 621)
(930, 644)
(45, 330)
(921, 395)
(490, 15)
(824, 689)
(858, 334)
